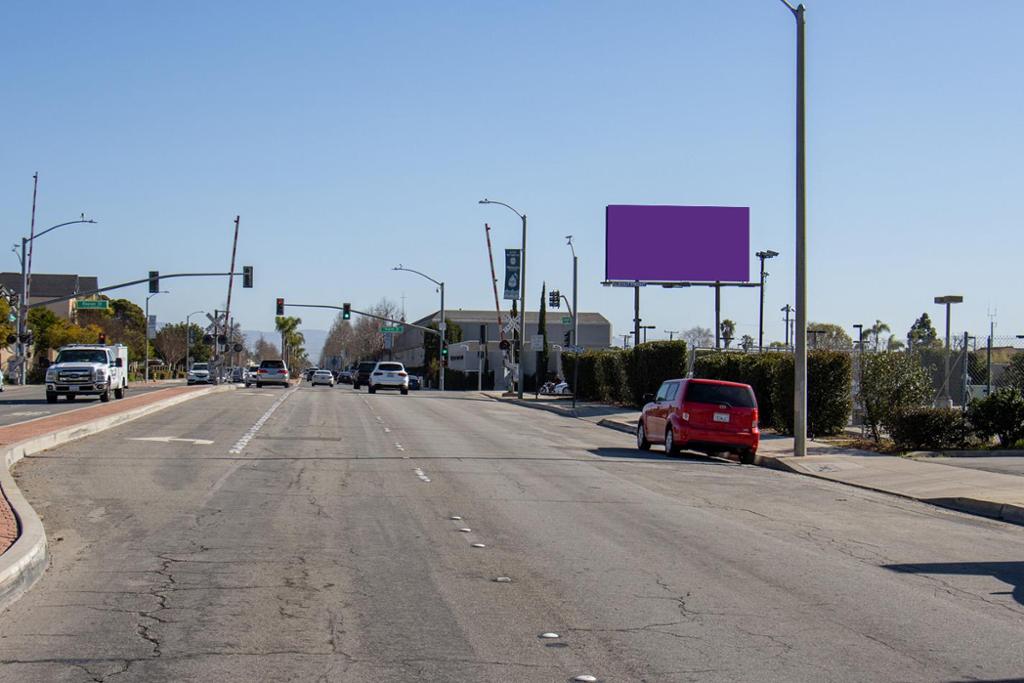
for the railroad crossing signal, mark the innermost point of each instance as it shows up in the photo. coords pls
(346, 311)
(280, 306)
(247, 277)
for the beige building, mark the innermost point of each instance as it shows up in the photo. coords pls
(482, 325)
(47, 286)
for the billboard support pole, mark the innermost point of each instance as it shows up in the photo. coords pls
(636, 314)
(718, 315)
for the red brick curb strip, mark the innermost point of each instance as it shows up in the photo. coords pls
(23, 556)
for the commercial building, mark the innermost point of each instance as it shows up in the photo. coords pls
(482, 326)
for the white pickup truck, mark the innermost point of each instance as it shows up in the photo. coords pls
(88, 370)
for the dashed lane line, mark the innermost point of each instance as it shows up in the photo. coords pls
(247, 437)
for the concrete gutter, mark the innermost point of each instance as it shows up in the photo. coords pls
(25, 561)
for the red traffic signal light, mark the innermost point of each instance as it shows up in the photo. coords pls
(280, 306)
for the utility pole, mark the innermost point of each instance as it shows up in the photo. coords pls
(787, 309)
(645, 328)
(671, 333)
(231, 282)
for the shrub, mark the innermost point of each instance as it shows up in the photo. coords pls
(829, 402)
(650, 364)
(1001, 414)
(929, 429)
(610, 371)
(624, 376)
(892, 382)
(757, 370)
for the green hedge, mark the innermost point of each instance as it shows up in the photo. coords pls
(624, 376)
(929, 429)
(1000, 415)
(770, 375)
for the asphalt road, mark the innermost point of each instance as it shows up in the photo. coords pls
(321, 547)
(28, 402)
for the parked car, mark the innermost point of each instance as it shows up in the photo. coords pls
(322, 377)
(272, 372)
(389, 375)
(415, 382)
(361, 377)
(237, 374)
(703, 415)
(249, 376)
(199, 373)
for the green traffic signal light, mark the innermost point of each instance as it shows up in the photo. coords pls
(346, 311)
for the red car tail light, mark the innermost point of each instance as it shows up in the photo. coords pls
(403, 374)
(753, 425)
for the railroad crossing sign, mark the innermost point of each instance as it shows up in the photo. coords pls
(511, 324)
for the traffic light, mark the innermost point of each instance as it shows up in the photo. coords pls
(444, 352)
(154, 282)
(346, 311)
(247, 277)
(280, 306)
(554, 298)
(568, 336)
(102, 338)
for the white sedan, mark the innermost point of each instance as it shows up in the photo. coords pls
(322, 377)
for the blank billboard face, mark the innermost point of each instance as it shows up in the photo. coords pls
(677, 243)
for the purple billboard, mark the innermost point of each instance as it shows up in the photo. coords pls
(677, 243)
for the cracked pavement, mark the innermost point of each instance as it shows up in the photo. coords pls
(317, 554)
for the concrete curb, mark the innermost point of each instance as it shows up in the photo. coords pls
(1005, 512)
(993, 453)
(25, 561)
(617, 426)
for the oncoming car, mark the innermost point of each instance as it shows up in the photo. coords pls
(702, 415)
(199, 373)
(322, 377)
(389, 375)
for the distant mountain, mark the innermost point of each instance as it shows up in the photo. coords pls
(314, 339)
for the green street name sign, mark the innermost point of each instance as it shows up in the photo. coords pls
(394, 329)
(567, 320)
(97, 304)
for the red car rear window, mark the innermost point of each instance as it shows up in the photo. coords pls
(720, 394)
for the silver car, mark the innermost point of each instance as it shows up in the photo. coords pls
(199, 374)
(389, 375)
(322, 377)
(272, 372)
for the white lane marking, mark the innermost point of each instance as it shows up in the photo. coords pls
(421, 474)
(247, 437)
(400, 447)
(29, 413)
(503, 579)
(585, 678)
(386, 430)
(457, 518)
(172, 439)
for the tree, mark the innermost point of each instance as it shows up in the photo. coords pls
(698, 337)
(728, 331)
(832, 337)
(874, 334)
(265, 350)
(892, 382)
(747, 342)
(338, 342)
(922, 333)
(293, 340)
(171, 343)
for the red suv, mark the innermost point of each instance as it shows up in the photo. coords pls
(703, 415)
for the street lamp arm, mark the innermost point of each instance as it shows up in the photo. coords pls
(789, 5)
(492, 201)
(59, 225)
(410, 270)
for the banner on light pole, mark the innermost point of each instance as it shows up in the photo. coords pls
(513, 263)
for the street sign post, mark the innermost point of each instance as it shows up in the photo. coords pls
(93, 304)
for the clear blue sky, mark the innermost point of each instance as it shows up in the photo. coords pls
(354, 136)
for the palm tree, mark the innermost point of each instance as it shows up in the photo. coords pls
(875, 334)
(291, 339)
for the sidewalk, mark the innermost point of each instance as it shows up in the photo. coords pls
(23, 554)
(974, 491)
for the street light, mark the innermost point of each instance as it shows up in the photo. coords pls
(800, 350)
(763, 255)
(575, 320)
(147, 331)
(26, 284)
(671, 333)
(188, 340)
(522, 293)
(442, 326)
(948, 301)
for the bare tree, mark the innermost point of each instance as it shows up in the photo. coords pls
(699, 337)
(265, 350)
(171, 343)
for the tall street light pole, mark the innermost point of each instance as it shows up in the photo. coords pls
(522, 294)
(442, 326)
(800, 334)
(26, 284)
(948, 301)
(671, 333)
(763, 255)
(146, 370)
(575, 321)
(188, 339)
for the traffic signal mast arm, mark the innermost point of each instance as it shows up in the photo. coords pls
(369, 315)
(90, 292)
